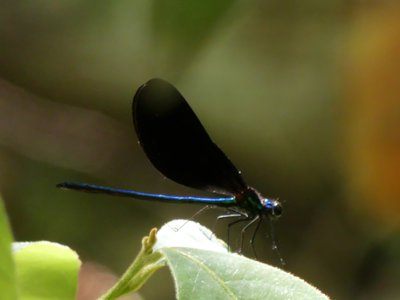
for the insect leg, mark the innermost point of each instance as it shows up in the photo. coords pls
(252, 221)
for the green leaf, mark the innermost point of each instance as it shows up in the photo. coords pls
(202, 268)
(200, 273)
(8, 287)
(46, 270)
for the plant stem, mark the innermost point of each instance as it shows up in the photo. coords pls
(144, 265)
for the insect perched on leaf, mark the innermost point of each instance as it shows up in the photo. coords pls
(177, 144)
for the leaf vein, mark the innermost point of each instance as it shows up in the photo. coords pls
(203, 266)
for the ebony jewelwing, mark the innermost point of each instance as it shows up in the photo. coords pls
(177, 144)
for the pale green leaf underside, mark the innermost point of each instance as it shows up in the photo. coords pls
(201, 274)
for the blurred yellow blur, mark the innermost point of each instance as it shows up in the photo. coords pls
(373, 104)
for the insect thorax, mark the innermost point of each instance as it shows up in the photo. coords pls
(250, 200)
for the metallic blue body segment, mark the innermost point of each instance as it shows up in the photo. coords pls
(222, 201)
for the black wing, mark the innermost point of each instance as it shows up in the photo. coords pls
(176, 142)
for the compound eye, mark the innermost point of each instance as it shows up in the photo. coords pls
(272, 208)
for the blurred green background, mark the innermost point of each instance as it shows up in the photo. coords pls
(303, 96)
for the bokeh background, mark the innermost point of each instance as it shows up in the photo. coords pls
(303, 96)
